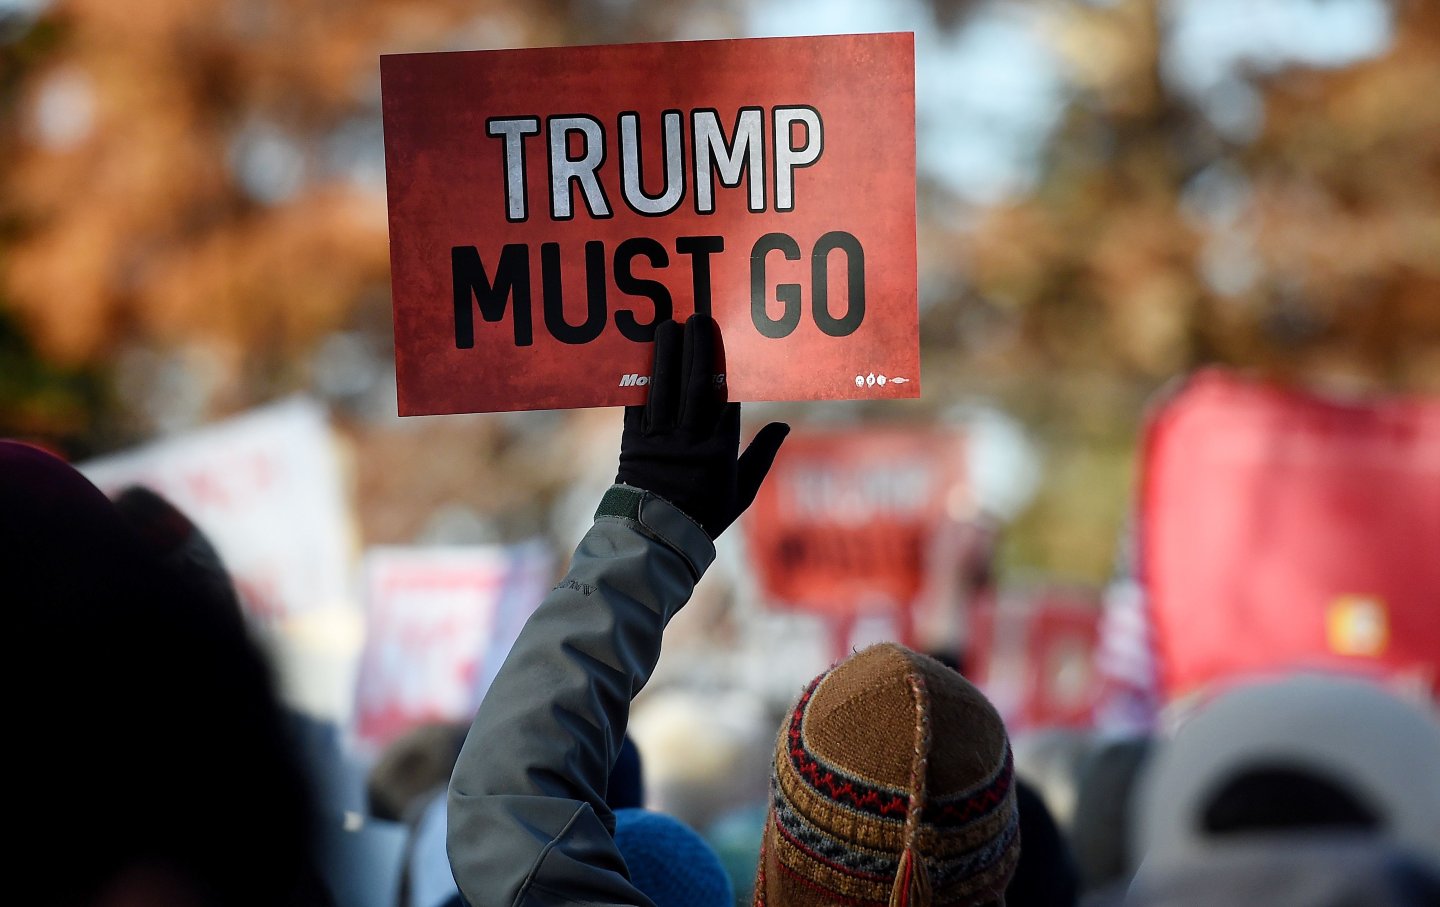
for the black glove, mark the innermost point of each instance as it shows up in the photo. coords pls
(684, 443)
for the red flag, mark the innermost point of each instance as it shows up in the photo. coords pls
(1282, 530)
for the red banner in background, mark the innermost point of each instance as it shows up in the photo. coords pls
(1279, 530)
(548, 206)
(844, 523)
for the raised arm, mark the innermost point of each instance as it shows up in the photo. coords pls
(528, 822)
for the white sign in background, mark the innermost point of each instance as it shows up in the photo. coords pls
(439, 622)
(267, 488)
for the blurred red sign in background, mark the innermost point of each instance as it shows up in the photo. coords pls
(548, 206)
(1034, 656)
(845, 522)
(1281, 530)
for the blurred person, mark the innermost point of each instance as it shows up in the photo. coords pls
(1295, 871)
(708, 751)
(736, 838)
(1104, 804)
(1309, 791)
(159, 771)
(411, 769)
(892, 783)
(1046, 875)
(1049, 759)
(181, 548)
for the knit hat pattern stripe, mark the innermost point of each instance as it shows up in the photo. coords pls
(986, 888)
(830, 876)
(861, 829)
(837, 785)
(977, 863)
(975, 804)
(833, 785)
(832, 782)
(834, 852)
(823, 894)
(862, 863)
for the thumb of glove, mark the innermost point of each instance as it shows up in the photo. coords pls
(755, 463)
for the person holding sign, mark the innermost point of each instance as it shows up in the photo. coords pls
(893, 780)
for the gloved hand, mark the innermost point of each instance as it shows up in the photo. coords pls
(683, 444)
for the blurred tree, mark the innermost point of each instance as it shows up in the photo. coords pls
(1156, 241)
(203, 179)
(1159, 238)
(205, 174)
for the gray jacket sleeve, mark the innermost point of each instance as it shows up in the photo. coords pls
(528, 824)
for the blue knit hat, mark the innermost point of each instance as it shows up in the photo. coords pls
(669, 862)
(627, 778)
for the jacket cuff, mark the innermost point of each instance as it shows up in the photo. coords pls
(662, 521)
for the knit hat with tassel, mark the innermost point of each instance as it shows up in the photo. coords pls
(893, 785)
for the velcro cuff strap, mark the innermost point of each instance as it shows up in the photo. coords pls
(662, 521)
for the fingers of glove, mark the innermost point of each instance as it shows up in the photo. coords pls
(704, 400)
(662, 409)
(756, 461)
(634, 419)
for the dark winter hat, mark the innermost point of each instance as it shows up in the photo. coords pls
(1046, 875)
(627, 778)
(63, 542)
(893, 784)
(179, 546)
(670, 862)
(60, 538)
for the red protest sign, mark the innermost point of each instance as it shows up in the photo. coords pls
(1034, 655)
(844, 522)
(549, 206)
(1280, 530)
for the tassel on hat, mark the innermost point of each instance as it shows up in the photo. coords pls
(912, 883)
(912, 879)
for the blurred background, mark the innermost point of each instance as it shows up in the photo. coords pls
(194, 292)
(192, 223)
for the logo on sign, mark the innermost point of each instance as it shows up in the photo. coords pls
(872, 380)
(634, 380)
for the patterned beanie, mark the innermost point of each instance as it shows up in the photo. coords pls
(893, 784)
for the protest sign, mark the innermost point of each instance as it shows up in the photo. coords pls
(845, 520)
(1279, 530)
(549, 206)
(1034, 655)
(266, 488)
(439, 622)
